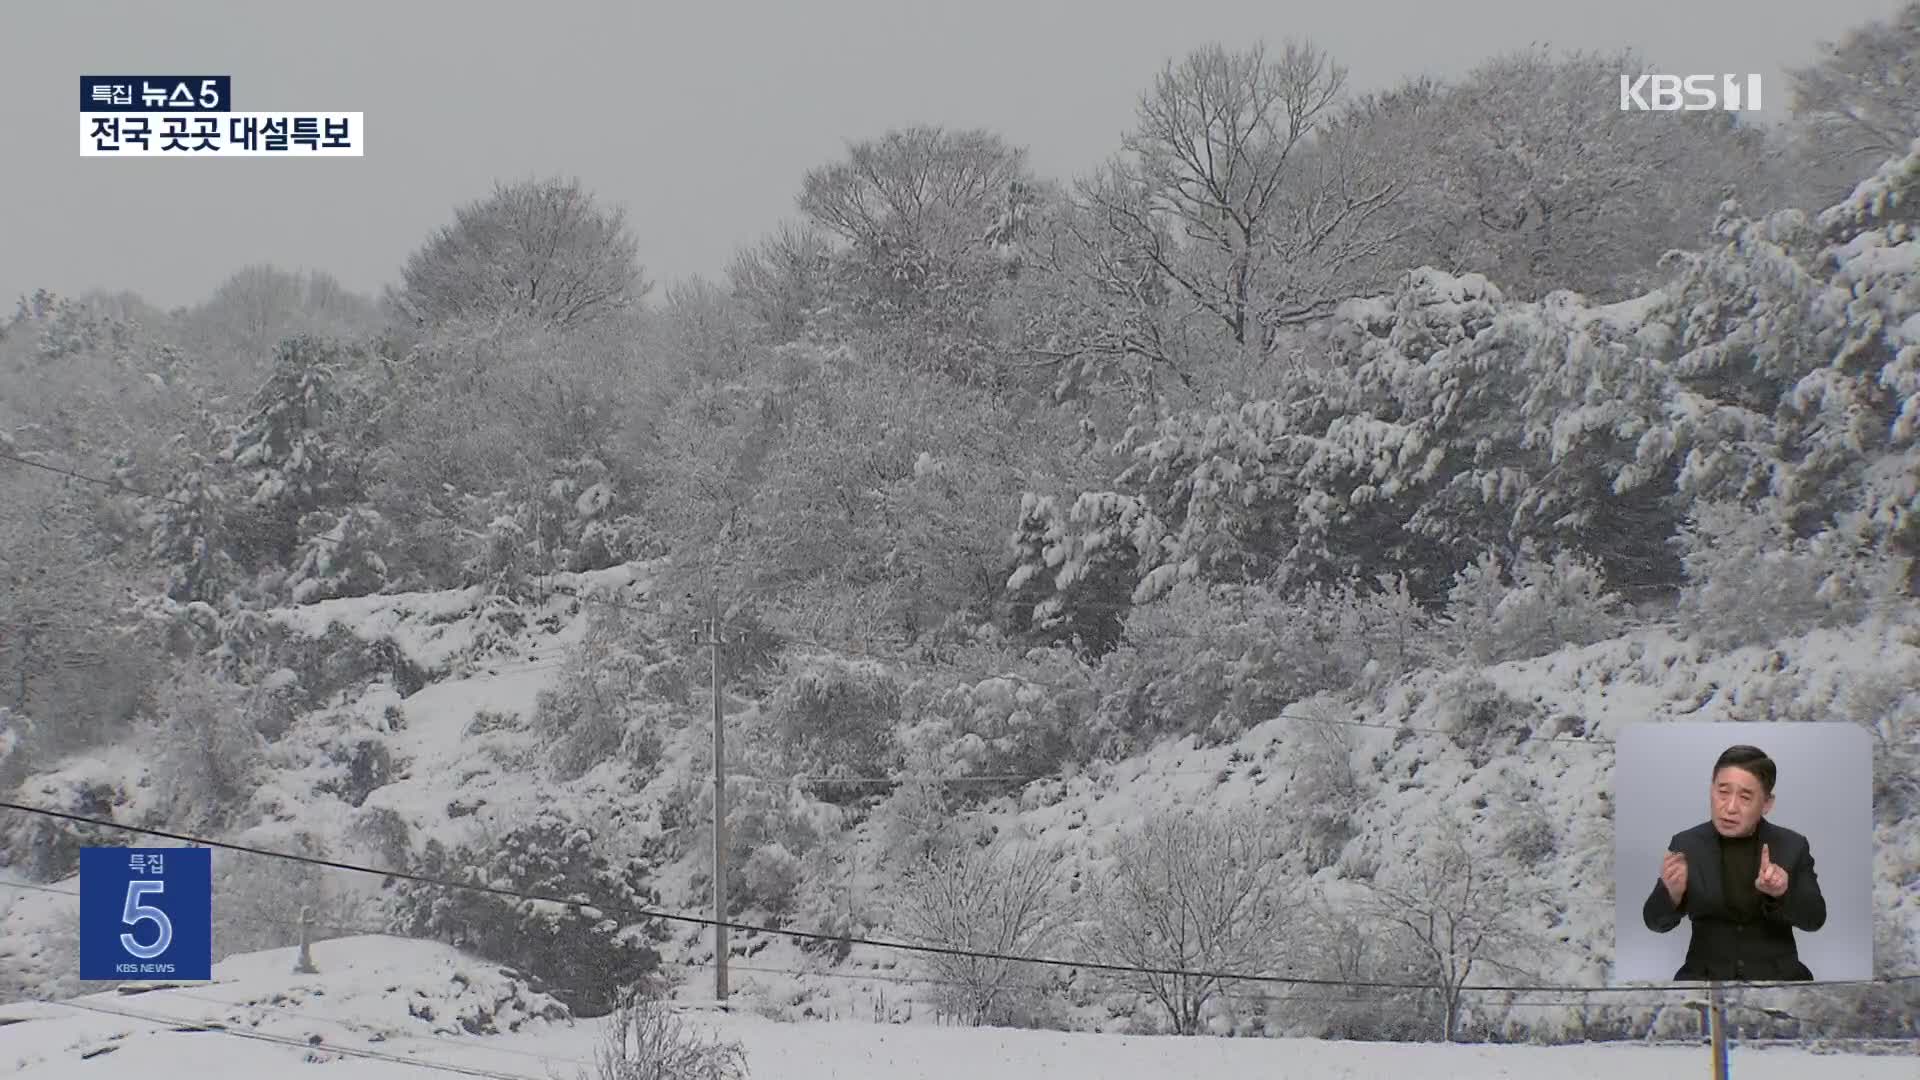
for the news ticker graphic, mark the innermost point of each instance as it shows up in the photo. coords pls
(187, 116)
(146, 913)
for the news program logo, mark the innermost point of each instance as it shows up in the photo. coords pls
(146, 913)
(1691, 93)
(187, 116)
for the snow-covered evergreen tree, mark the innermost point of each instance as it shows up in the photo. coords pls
(251, 507)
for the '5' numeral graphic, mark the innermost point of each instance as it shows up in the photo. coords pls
(135, 913)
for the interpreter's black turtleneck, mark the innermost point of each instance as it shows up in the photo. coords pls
(1739, 867)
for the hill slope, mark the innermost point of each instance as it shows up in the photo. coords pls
(365, 772)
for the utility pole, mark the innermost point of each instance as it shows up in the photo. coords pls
(715, 638)
(1717, 1026)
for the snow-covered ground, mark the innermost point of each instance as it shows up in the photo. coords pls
(382, 1008)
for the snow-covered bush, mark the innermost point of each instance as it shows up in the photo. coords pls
(343, 555)
(1324, 793)
(1216, 660)
(919, 818)
(582, 954)
(205, 750)
(47, 849)
(1750, 580)
(1201, 893)
(611, 701)
(362, 764)
(382, 832)
(1339, 941)
(14, 728)
(1480, 716)
(772, 878)
(834, 717)
(1500, 610)
(1002, 899)
(261, 900)
(647, 1040)
(769, 829)
(1025, 720)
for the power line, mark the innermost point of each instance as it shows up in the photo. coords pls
(933, 980)
(838, 939)
(114, 485)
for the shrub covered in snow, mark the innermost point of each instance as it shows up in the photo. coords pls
(648, 1040)
(772, 877)
(833, 717)
(1027, 719)
(769, 829)
(46, 848)
(582, 952)
(1217, 660)
(1004, 899)
(13, 748)
(1201, 894)
(261, 900)
(1751, 580)
(1528, 606)
(205, 751)
(611, 702)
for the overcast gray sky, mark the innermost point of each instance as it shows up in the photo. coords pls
(700, 120)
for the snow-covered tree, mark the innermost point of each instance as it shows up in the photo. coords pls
(543, 249)
(835, 718)
(1797, 364)
(585, 951)
(1002, 899)
(259, 306)
(204, 745)
(1215, 146)
(1751, 580)
(1098, 312)
(1449, 420)
(1075, 569)
(1516, 609)
(510, 447)
(877, 482)
(926, 216)
(1541, 183)
(72, 656)
(1862, 97)
(784, 280)
(1200, 894)
(302, 450)
(1462, 910)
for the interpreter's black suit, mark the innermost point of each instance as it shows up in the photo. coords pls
(1727, 942)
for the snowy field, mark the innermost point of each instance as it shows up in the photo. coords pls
(383, 1008)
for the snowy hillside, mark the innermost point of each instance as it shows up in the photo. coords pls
(369, 774)
(381, 1008)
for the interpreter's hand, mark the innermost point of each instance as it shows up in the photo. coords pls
(1773, 878)
(1673, 874)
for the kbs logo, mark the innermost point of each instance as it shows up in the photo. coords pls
(1692, 93)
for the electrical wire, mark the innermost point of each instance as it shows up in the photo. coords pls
(638, 914)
